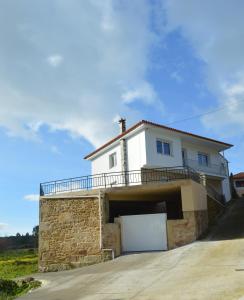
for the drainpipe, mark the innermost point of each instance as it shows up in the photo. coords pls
(123, 148)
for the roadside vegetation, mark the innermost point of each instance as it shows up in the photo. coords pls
(16, 263)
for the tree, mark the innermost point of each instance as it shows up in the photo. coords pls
(35, 231)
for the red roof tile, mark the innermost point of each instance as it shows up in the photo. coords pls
(239, 176)
(155, 125)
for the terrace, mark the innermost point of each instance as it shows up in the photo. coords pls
(108, 180)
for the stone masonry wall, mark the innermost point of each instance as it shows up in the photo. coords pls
(111, 237)
(184, 231)
(69, 233)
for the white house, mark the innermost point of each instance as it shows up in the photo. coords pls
(149, 145)
(144, 194)
(238, 180)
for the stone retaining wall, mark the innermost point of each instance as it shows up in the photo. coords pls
(69, 233)
(111, 237)
(184, 231)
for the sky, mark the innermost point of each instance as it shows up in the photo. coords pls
(70, 69)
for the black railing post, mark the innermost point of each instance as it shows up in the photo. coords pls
(41, 190)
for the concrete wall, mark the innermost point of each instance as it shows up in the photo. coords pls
(69, 233)
(194, 197)
(195, 216)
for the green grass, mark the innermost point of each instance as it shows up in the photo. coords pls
(16, 263)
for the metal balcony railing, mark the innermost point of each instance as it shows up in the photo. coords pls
(108, 180)
(215, 169)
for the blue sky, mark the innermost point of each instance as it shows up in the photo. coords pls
(68, 69)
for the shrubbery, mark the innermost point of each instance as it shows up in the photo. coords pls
(9, 289)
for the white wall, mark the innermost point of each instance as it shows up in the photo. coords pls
(193, 149)
(239, 190)
(226, 188)
(100, 164)
(142, 152)
(136, 149)
(155, 159)
(215, 160)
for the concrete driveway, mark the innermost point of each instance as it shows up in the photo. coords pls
(209, 269)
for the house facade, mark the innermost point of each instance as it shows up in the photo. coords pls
(238, 180)
(152, 188)
(147, 145)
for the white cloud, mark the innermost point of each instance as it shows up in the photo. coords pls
(144, 92)
(3, 226)
(55, 60)
(31, 197)
(216, 32)
(106, 47)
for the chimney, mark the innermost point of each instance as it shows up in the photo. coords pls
(122, 125)
(123, 147)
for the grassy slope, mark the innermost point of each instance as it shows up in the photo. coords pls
(15, 263)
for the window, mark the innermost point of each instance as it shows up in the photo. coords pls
(159, 147)
(163, 147)
(239, 183)
(203, 159)
(112, 160)
(184, 156)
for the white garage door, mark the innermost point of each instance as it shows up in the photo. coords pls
(144, 232)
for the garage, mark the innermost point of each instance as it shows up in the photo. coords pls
(143, 232)
(143, 217)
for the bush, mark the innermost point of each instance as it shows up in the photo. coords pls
(9, 289)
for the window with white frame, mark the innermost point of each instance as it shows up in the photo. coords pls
(163, 147)
(112, 160)
(203, 159)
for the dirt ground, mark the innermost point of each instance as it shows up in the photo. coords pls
(212, 268)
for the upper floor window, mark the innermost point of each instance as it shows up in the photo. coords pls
(112, 160)
(203, 159)
(163, 147)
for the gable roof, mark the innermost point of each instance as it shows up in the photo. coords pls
(145, 122)
(239, 175)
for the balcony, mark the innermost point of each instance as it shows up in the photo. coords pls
(120, 179)
(213, 169)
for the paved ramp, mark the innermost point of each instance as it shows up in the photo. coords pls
(209, 269)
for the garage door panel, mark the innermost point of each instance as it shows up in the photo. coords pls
(144, 232)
